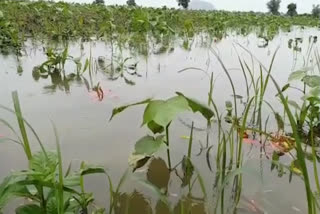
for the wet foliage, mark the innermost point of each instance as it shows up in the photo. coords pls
(20, 20)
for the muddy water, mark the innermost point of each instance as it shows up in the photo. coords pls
(86, 133)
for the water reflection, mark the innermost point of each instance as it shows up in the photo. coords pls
(158, 174)
(127, 70)
(190, 205)
(132, 203)
(119, 68)
(58, 81)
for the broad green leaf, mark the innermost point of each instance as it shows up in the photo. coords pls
(29, 209)
(148, 145)
(151, 110)
(312, 80)
(163, 112)
(138, 161)
(1, 14)
(297, 75)
(120, 109)
(197, 106)
(144, 149)
(155, 128)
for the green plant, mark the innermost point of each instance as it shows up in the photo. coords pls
(44, 182)
(158, 116)
(301, 162)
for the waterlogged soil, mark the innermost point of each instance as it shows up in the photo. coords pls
(81, 116)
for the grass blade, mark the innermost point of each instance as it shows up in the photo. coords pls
(23, 131)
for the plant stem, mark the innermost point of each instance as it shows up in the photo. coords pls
(209, 102)
(190, 141)
(314, 158)
(42, 199)
(23, 131)
(224, 157)
(168, 143)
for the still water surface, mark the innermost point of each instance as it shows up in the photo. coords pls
(86, 133)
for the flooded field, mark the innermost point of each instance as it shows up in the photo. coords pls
(232, 158)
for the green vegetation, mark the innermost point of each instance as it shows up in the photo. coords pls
(50, 189)
(49, 22)
(290, 146)
(44, 183)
